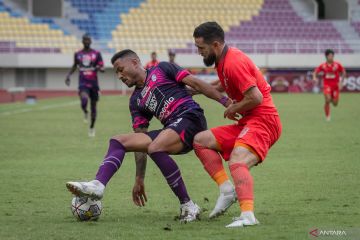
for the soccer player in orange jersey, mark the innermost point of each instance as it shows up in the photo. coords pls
(330, 72)
(245, 143)
(153, 62)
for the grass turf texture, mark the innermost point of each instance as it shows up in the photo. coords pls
(310, 178)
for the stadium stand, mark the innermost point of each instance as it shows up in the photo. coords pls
(20, 34)
(103, 15)
(160, 25)
(279, 29)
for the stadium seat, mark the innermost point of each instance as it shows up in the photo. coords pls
(174, 22)
(27, 35)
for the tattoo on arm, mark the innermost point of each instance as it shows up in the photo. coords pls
(140, 158)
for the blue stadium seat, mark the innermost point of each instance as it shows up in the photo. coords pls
(103, 15)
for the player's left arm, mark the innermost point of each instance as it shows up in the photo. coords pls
(206, 89)
(342, 77)
(244, 78)
(138, 192)
(100, 63)
(252, 98)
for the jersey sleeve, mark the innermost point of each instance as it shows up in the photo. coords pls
(139, 119)
(173, 71)
(99, 60)
(318, 69)
(241, 75)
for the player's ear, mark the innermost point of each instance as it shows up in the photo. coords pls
(135, 62)
(216, 44)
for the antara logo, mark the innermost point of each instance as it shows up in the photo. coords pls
(327, 233)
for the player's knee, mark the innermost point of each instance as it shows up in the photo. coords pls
(123, 139)
(335, 103)
(154, 147)
(83, 95)
(202, 138)
(244, 157)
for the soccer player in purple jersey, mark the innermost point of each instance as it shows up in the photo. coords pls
(161, 92)
(89, 62)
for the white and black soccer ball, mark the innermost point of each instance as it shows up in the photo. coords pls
(85, 209)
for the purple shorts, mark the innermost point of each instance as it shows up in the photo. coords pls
(187, 126)
(92, 92)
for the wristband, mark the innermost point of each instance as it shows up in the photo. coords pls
(224, 100)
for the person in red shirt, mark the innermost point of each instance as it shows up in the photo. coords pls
(245, 143)
(154, 62)
(330, 71)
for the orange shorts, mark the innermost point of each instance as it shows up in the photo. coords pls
(332, 90)
(256, 133)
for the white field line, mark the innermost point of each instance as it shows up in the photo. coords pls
(51, 106)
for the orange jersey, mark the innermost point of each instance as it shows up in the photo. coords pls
(151, 64)
(330, 72)
(237, 74)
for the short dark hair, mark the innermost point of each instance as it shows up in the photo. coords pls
(329, 51)
(122, 54)
(153, 53)
(210, 31)
(86, 35)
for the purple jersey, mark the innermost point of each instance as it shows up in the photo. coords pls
(87, 61)
(163, 96)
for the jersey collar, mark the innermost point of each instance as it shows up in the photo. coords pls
(222, 57)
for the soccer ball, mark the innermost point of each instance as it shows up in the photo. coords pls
(85, 209)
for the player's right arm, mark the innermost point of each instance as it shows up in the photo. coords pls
(183, 76)
(138, 192)
(72, 70)
(140, 123)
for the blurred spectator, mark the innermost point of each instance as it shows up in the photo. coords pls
(153, 61)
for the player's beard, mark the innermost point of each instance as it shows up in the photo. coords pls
(210, 60)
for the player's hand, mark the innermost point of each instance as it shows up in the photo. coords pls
(192, 91)
(101, 69)
(231, 113)
(341, 85)
(138, 193)
(67, 81)
(229, 102)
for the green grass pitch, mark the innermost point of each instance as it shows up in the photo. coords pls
(309, 180)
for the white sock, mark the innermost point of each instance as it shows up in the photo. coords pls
(248, 215)
(226, 187)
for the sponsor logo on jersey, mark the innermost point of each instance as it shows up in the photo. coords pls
(145, 91)
(86, 60)
(153, 103)
(330, 75)
(153, 78)
(164, 111)
(244, 132)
